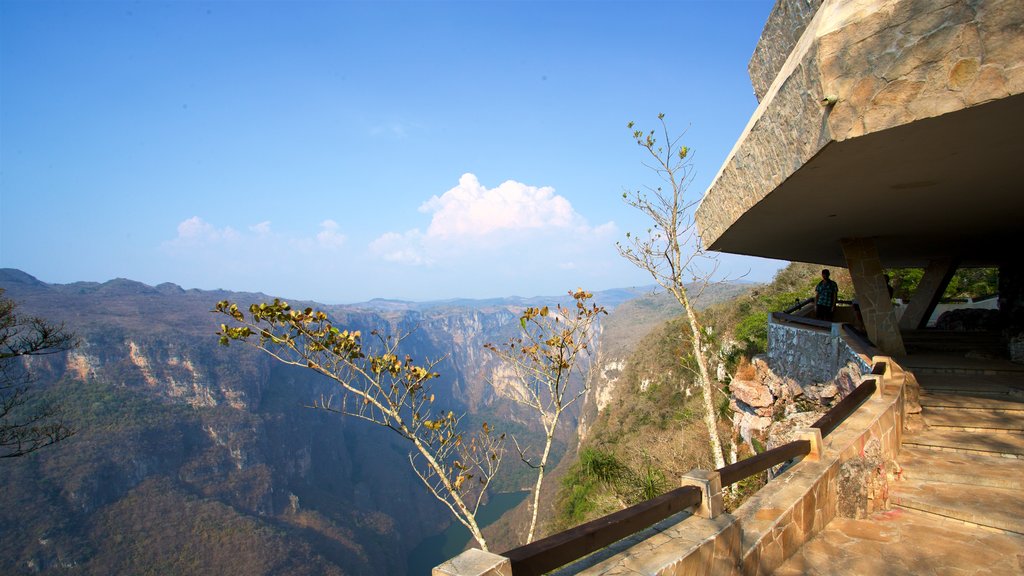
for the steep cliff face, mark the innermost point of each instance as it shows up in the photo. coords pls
(169, 421)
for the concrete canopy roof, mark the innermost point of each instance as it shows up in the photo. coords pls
(923, 152)
(950, 185)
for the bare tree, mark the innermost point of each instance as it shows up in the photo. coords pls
(672, 251)
(544, 358)
(379, 386)
(27, 425)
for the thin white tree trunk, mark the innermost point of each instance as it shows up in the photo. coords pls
(540, 481)
(705, 383)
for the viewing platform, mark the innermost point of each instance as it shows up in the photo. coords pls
(958, 507)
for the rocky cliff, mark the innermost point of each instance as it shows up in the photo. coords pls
(196, 458)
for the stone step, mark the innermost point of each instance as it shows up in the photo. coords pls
(996, 508)
(1009, 445)
(931, 400)
(1007, 382)
(920, 464)
(980, 420)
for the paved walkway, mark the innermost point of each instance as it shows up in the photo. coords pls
(901, 542)
(959, 507)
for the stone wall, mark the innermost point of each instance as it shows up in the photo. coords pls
(785, 25)
(809, 354)
(768, 528)
(890, 63)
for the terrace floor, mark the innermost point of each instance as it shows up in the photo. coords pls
(958, 507)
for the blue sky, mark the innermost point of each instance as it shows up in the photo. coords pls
(341, 151)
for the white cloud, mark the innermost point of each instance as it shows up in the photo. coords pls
(470, 209)
(196, 236)
(402, 248)
(261, 228)
(330, 236)
(504, 223)
(195, 230)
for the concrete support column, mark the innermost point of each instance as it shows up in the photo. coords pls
(1011, 296)
(936, 277)
(1011, 306)
(873, 294)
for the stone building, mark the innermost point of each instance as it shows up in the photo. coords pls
(889, 134)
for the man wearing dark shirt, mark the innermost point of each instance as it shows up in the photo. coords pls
(825, 303)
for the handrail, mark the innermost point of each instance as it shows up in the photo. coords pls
(801, 320)
(801, 303)
(737, 471)
(845, 407)
(860, 339)
(798, 305)
(559, 549)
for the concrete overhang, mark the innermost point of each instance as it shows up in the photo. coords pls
(923, 151)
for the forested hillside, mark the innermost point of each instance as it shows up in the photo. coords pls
(648, 430)
(195, 458)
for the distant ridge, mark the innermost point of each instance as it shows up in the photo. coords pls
(15, 276)
(610, 298)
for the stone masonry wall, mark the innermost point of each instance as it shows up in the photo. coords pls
(889, 62)
(785, 25)
(770, 526)
(920, 59)
(808, 355)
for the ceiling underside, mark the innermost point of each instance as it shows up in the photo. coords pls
(950, 186)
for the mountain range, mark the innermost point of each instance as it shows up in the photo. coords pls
(195, 458)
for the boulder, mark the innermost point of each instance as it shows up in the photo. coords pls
(750, 423)
(752, 393)
(828, 391)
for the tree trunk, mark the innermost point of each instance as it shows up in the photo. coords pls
(710, 421)
(540, 481)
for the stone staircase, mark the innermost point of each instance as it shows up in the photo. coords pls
(981, 343)
(966, 463)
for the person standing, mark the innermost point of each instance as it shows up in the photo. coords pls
(827, 292)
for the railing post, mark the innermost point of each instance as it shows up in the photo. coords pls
(882, 367)
(475, 562)
(812, 435)
(710, 484)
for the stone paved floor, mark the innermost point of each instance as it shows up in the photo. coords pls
(900, 542)
(965, 465)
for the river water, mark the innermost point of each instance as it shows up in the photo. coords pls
(438, 548)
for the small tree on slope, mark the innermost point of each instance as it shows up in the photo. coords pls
(672, 251)
(544, 358)
(379, 386)
(27, 425)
